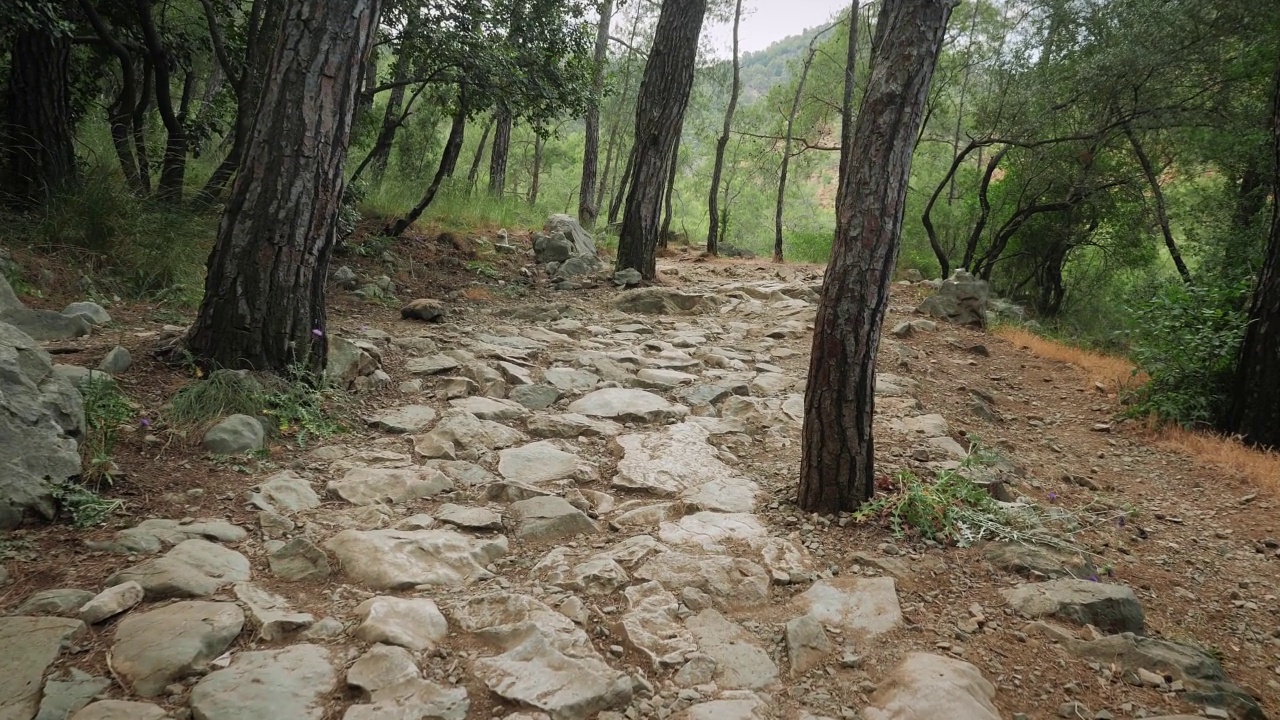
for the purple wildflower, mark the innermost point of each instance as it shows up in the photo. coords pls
(1120, 521)
(317, 332)
(145, 422)
(1093, 578)
(1053, 497)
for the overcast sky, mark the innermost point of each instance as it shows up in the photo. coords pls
(765, 22)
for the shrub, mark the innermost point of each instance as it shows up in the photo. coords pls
(105, 409)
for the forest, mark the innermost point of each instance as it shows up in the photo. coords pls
(1108, 166)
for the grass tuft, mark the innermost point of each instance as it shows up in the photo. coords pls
(224, 392)
(1116, 374)
(1228, 454)
(106, 408)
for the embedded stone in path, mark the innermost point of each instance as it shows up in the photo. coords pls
(710, 530)
(504, 620)
(653, 626)
(284, 492)
(571, 380)
(628, 405)
(31, 644)
(431, 365)
(1111, 608)
(155, 532)
(1033, 560)
(537, 463)
(270, 613)
(157, 647)
(568, 688)
(399, 559)
(414, 623)
(404, 419)
(535, 397)
(414, 699)
(862, 606)
(497, 410)
(730, 581)
(462, 432)
(807, 643)
(121, 710)
(470, 518)
(298, 560)
(787, 561)
(292, 682)
(65, 602)
(731, 708)
(546, 518)
(932, 687)
(677, 459)
(740, 663)
(382, 666)
(66, 694)
(571, 425)
(193, 568)
(371, 486)
(111, 602)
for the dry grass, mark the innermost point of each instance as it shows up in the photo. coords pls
(1227, 454)
(1113, 373)
(476, 293)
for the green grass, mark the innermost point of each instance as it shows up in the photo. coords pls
(202, 403)
(86, 507)
(106, 408)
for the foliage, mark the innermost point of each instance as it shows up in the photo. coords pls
(106, 409)
(222, 393)
(304, 406)
(87, 508)
(1186, 339)
(930, 509)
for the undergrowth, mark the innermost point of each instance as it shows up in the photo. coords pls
(106, 408)
(301, 406)
(86, 507)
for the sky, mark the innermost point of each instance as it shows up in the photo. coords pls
(765, 22)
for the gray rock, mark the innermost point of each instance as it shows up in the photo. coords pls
(404, 419)
(40, 325)
(628, 405)
(63, 601)
(505, 620)
(94, 313)
(700, 669)
(31, 645)
(627, 277)
(299, 560)
(111, 602)
(324, 629)
(271, 614)
(413, 623)
(1111, 608)
(740, 663)
(41, 422)
(571, 380)
(345, 278)
(807, 644)
(423, 309)
(1129, 651)
(292, 682)
(382, 666)
(535, 397)
(116, 361)
(172, 532)
(431, 365)
(731, 582)
(461, 431)
(284, 492)
(193, 568)
(236, 435)
(571, 425)
(154, 648)
(485, 408)
(750, 707)
(663, 301)
(961, 300)
(1035, 561)
(64, 696)
(567, 687)
(931, 686)
(678, 461)
(537, 463)
(371, 486)
(711, 530)
(348, 362)
(121, 710)
(470, 518)
(414, 698)
(652, 625)
(543, 519)
(399, 559)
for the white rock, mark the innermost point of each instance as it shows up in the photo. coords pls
(710, 531)
(370, 486)
(740, 663)
(404, 419)
(863, 607)
(628, 405)
(414, 623)
(931, 687)
(652, 624)
(111, 602)
(537, 463)
(497, 410)
(292, 682)
(398, 559)
(569, 688)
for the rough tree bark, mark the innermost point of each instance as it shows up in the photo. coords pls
(624, 182)
(392, 118)
(448, 161)
(173, 166)
(264, 297)
(664, 94)
(615, 127)
(38, 155)
(474, 172)
(587, 207)
(837, 462)
(668, 209)
(722, 143)
(1255, 394)
(846, 100)
(121, 111)
(786, 146)
(1157, 196)
(498, 153)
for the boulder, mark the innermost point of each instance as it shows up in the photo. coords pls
(424, 309)
(31, 645)
(92, 312)
(117, 360)
(542, 519)
(40, 325)
(121, 710)
(236, 435)
(663, 301)
(292, 682)
(193, 568)
(157, 647)
(401, 559)
(1111, 608)
(932, 687)
(961, 300)
(413, 623)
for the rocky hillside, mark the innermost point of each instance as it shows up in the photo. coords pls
(578, 504)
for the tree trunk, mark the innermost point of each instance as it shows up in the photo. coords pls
(264, 298)
(448, 161)
(119, 115)
(392, 117)
(664, 235)
(722, 143)
(846, 100)
(664, 94)
(475, 161)
(624, 181)
(615, 128)
(173, 167)
(139, 122)
(837, 462)
(536, 175)
(786, 148)
(587, 207)
(38, 155)
(1255, 394)
(498, 153)
(1157, 195)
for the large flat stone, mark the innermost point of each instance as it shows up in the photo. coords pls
(400, 559)
(1112, 608)
(414, 623)
(711, 530)
(154, 648)
(504, 620)
(292, 682)
(863, 607)
(193, 568)
(932, 687)
(652, 625)
(627, 405)
(732, 582)
(537, 463)
(542, 519)
(121, 710)
(568, 688)
(404, 419)
(678, 460)
(740, 662)
(371, 486)
(31, 644)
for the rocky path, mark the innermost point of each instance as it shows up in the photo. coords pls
(580, 509)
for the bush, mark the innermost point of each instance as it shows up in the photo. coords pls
(1186, 340)
(301, 406)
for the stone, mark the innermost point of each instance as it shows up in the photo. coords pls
(271, 614)
(371, 486)
(663, 301)
(414, 699)
(740, 663)
(292, 682)
(537, 463)
(121, 710)
(431, 365)
(41, 423)
(497, 410)
(535, 397)
(699, 669)
(807, 644)
(568, 688)
(323, 629)
(284, 492)
(1110, 608)
(193, 568)
(423, 309)
(31, 645)
(732, 582)
(744, 708)
(627, 277)
(505, 620)
(863, 607)
(299, 560)
(39, 325)
(465, 432)
(515, 375)
(117, 360)
(399, 559)
(570, 380)
(627, 405)
(652, 625)
(1038, 560)
(172, 532)
(597, 576)
(92, 312)
(660, 379)
(236, 435)
(404, 419)
(347, 362)
(932, 687)
(786, 561)
(470, 518)
(711, 530)
(678, 461)
(155, 648)
(962, 300)
(1130, 651)
(66, 695)
(543, 519)
(111, 602)
(413, 623)
(382, 666)
(766, 384)
(63, 601)
(571, 425)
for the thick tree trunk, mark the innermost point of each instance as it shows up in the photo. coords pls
(173, 167)
(474, 172)
(664, 94)
(722, 143)
(786, 148)
(448, 161)
(498, 153)
(1157, 196)
(668, 210)
(837, 463)
(392, 116)
(38, 156)
(587, 207)
(1255, 395)
(846, 100)
(264, 294)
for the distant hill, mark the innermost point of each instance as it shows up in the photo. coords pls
(766, 68)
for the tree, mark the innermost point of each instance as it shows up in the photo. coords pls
(36, 141)
(264, 304)
(664, 94)
(588, 209)
(722, 143)
(448, 162)
(786, 144)
(837, 460)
